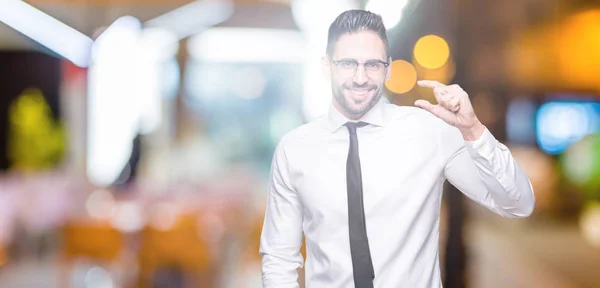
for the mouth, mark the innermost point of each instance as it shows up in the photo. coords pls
(360, 94)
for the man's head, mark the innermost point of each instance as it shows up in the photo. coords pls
(357, 61)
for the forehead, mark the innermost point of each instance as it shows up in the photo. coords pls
(362, 46)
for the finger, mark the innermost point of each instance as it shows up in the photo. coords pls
(424, 104)
(450, 102)
(455, 89)
(452, 106)
(455, 103)
(457, 95)
(430, 83)
(436, 110)
(442, 95)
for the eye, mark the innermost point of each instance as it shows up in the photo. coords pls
(373, 65)
(347, 64)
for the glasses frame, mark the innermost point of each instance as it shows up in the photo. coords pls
(358, 64)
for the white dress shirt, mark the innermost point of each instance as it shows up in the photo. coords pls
(406, 155)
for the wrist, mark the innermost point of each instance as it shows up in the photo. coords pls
(474, 132)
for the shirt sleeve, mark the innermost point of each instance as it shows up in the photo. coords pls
(281, 237)
(485, 171)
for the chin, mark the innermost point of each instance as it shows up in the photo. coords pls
(356, 103)
(356, 108)
(359, 103)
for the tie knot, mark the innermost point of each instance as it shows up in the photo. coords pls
(352, 126)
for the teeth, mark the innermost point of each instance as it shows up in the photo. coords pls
(360, 92)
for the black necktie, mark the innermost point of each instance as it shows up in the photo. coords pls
(362, 265)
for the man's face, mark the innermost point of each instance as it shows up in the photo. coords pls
(357, 88)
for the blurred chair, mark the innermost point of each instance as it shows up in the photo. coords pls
(180, 247)
(96, 241)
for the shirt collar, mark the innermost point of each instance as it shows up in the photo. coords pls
(375, 116)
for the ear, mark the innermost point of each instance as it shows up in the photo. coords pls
(326, 68)
(388, 73)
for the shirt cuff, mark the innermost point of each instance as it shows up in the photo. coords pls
(482, 147)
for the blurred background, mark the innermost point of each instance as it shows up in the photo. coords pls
(136, 135)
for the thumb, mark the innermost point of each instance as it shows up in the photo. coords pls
(424, 104)
(436, 110)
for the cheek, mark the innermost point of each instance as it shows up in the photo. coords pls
(338, 82)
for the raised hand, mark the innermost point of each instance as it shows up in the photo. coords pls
(454, 107)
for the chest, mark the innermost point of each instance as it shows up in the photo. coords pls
(398, 169)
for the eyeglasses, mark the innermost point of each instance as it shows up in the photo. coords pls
(348, 67)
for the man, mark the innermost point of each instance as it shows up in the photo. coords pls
(370, 216)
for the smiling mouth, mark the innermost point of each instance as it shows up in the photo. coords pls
(359, 94)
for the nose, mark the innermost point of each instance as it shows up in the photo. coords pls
(360, 77)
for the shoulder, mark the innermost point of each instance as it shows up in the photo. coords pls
(303, 134)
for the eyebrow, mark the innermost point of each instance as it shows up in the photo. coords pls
(351, 59)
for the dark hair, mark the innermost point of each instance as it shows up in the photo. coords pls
(353, 21)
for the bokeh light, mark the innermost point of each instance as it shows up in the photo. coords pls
(581, 165)
(443, 74)
(578, 49)
(431, 51)
(404, 77)
(557, 55)
(127, 216)
(250, 84)
(100, 205)
(520, 121)
(390, 10)
(589, 223)
(561, 123)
